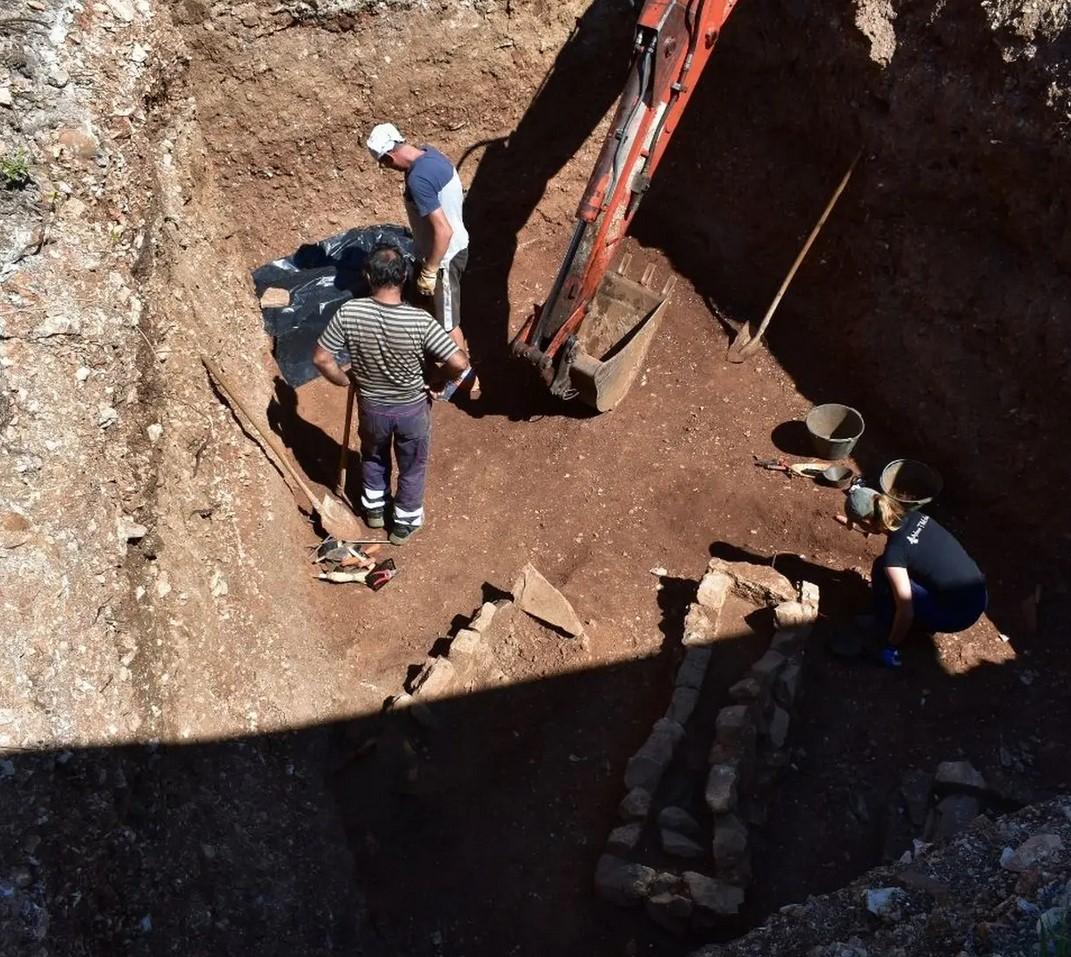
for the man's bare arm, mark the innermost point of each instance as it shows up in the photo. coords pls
(456, 364)
(329, 368)
(442, 232)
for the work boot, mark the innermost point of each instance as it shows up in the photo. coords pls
(401, 532)
(374, 517)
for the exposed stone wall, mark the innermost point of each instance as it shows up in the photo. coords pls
(748, 749)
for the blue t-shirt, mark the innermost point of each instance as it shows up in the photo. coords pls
(432, 183)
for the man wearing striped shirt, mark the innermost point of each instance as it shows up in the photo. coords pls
(389, 343)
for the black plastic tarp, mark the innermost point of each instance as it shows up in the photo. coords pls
(319, 277)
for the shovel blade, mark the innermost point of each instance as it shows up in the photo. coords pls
(614, 340)
(338, 521)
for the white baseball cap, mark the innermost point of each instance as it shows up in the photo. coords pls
(383, 139)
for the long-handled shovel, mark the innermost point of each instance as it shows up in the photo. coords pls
(745, 344)
(344, 455)
(335, 516)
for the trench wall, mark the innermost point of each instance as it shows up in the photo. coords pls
(937, 299)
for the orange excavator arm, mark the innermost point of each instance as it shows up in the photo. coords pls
(674, 40)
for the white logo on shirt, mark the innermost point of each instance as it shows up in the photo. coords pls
(914, 536)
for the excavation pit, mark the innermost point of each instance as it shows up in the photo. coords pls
(257, 124)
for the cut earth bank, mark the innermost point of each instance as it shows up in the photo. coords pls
(154, 574)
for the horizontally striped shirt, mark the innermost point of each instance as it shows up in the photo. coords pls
(388, 345)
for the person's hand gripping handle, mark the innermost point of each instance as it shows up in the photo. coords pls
(427, 280)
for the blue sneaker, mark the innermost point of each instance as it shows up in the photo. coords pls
(890, 657)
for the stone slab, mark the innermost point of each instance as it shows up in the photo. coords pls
(537, 597)
(759, 584)
(435, 679)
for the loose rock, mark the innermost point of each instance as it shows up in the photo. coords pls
(767, 667)
(678, 819)
(885, 902)
(959, 776)
(746, 690)
(635, 805)
(682, 704)
(777, 730)
(693, 668)
(624, 839)
(646, 766)
(795, 614)
(539, 598)
(712, 897)
(730, 841)
(787, 685)
(620, 882)
(735, 726)
(721, 790)
(953, 815)
(482, 621)
(700, 627)
(679, 845)
(759, 584)
(713, 591)
(1032, 852)
(436, 678)
(671, 911)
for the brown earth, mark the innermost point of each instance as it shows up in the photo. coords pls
(321, 839)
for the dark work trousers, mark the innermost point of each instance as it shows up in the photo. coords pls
(946, 612)
(406, 429)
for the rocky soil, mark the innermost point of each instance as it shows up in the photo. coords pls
(1004, 887)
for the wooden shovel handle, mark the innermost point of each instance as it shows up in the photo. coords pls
(344, 454)
(753, 342)
(267, 436)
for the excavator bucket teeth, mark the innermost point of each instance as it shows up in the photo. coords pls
(617, 332)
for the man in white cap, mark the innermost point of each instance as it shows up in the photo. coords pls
(433, 202)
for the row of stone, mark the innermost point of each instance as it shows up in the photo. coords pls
(749, 748)
(469, 655)
(772, 683)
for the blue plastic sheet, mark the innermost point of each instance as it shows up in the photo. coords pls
(319, 277)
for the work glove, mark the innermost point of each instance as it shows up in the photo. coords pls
(427, 281)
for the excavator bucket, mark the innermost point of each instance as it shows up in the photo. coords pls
(617, 332)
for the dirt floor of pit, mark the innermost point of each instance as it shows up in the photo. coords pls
(492, 849)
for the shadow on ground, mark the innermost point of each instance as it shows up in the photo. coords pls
(477, 835)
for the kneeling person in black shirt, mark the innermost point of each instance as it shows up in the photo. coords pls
(923, 577)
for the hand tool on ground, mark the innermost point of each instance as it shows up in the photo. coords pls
(808, 469)
(773, 465)
(745, 344)
(344, 455)
(335, 516)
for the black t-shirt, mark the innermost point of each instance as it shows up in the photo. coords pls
(931, 555)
